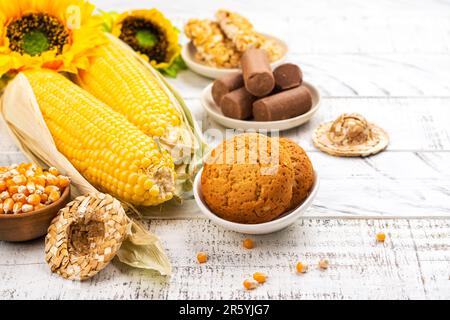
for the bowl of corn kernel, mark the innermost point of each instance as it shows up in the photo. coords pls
(30, 197)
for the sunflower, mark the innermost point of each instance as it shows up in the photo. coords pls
(61, 35)
(151, 34)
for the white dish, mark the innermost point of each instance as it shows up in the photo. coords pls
(216, 114)
(188, 53)
(278, 224)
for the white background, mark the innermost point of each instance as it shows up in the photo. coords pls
(388, 60)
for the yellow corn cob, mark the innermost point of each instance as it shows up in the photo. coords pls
(117, 79)
(109, 151)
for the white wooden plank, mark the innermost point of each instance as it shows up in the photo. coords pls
(287, 7)
(328, 26)
(387, 49)
(413, 263)
(392, 184)
(352, 75)
(411, 183)
(414, 124)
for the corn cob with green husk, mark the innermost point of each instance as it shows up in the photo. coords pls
(131, 87)
(109, 151)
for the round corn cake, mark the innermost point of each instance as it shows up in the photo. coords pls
(248, 180)
(304, 172)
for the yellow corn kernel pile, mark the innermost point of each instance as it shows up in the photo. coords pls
(25, 188)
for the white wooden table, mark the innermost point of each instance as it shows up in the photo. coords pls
(390, 61)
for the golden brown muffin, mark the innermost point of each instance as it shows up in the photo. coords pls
(244, 180)
(304, 172)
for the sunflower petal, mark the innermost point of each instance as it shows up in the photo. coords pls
(84, 38)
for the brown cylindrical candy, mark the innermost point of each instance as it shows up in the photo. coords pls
(284, 105)
(258, 75)
(238, 104)
(225, 85)
(288, 76)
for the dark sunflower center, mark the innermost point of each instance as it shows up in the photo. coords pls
(145, 37)
(34, 34)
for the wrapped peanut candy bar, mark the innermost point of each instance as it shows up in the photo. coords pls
(213, 48)
(239, 29)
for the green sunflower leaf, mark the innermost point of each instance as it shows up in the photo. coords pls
(177, 66)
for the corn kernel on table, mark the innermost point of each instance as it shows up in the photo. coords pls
(387, 60)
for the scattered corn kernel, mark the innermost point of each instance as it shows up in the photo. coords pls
(53, 171)
(63, 181)
(13, 189)
(248, 244)
(324, 264)
(34, 199)
(19, 197)
(27, 208)
(51, 180)
(31, 187)
(39, 180)
(202, 257)
(38, 207)
(40, 190)
(381, 237)
(24, 190)
(50, 189)
(20, 180)
(17, 208)
(250, 284)
(54, 196)
(4, 195)
(8, 205)
(260, 277)
(302, 267)
(44, 198)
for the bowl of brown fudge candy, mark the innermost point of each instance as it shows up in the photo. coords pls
(261, 98)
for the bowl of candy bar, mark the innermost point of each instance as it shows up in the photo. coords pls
(216, 46)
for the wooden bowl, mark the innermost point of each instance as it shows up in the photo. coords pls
(33, 225)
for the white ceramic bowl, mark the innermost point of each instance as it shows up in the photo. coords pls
(216, 114)
(188, 53)
(278, 224)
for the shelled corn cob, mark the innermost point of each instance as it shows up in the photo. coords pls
(109, 151)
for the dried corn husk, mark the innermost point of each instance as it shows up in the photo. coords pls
(25, 124)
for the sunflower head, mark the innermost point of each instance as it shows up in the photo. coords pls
(149, 33)
(61, 35)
